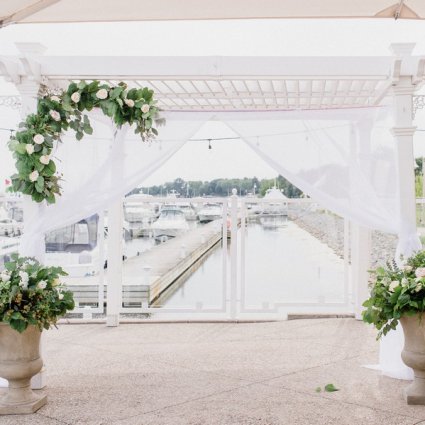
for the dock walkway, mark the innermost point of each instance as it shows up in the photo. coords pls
(148, 275)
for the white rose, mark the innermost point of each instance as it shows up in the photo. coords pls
(38, 138)
(60, 296)
(145, 108)
(24, 279)
(34, 176)
(56, 282)
(102, 94)
(55, 99)
(42, 284)
(45, 159)
(129, 102)
(30, 148)
(55, 115)
(5, 277)
(407, 269)
(404, 282)
(420, 272)
(393, 285)
(418, 287)
(75, 97)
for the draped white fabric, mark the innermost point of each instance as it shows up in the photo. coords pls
(99, 170)
(350, 167)
(345, 159)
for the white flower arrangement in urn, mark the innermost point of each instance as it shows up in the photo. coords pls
(398, 295)
(32, 298)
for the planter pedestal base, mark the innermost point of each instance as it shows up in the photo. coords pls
(23, 409)
(19, 399)
(415, 392)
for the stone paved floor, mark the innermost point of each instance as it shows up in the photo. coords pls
(218, 373)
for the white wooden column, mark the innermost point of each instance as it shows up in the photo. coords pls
(115, 239)
(29, 90)
(403, 132)
(391, 345)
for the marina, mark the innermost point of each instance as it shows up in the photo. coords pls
(178, 263)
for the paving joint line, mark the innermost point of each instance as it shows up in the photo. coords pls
(189, 401)
(265, 382)
(52, 418)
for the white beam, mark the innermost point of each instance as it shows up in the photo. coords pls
(109, 67)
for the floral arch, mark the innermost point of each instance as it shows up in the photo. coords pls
(34, 144)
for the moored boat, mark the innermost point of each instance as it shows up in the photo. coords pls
(210, 212)
(171, 223)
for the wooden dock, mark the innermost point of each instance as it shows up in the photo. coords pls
(148, 275)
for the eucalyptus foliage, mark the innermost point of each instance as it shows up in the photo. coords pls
(33, 144)
(31, 294)
(396, 292)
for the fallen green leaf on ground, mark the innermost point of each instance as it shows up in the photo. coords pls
(330, 388)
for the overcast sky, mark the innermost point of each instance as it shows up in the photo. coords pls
(251, 37)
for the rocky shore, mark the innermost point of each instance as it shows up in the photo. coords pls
(329, 229)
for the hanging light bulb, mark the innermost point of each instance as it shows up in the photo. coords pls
(209, 144)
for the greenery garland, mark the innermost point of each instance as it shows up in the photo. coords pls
(33, 144)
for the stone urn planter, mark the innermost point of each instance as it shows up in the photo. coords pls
(19, 361)
(413, 355)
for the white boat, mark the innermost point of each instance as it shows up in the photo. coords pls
(9, 226)
(75, 248)
(136, 212)
(189, 211)
(274, 203)
(171, 222)
(210, 212)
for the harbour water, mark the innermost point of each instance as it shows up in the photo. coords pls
(284, 264)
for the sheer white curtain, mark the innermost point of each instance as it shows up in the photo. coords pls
(90, 178)
(348, 164)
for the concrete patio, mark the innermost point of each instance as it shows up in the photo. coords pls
(218, 373)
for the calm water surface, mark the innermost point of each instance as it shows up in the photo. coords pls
(285, 264)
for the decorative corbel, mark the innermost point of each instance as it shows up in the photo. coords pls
(10, 70)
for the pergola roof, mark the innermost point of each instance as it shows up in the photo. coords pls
(48, 11)
(231, 83)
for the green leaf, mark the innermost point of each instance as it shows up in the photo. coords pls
(115, 92)
(50, 169)
(19, 325)
(21, 148)
(87, 129)
(330, 388)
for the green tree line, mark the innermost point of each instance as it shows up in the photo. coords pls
(221, 187)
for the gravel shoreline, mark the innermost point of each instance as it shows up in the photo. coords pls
(329, 229)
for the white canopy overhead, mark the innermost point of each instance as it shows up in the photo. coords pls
(49, 11)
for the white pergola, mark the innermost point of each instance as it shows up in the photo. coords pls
(47, 11)
(251, 84)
